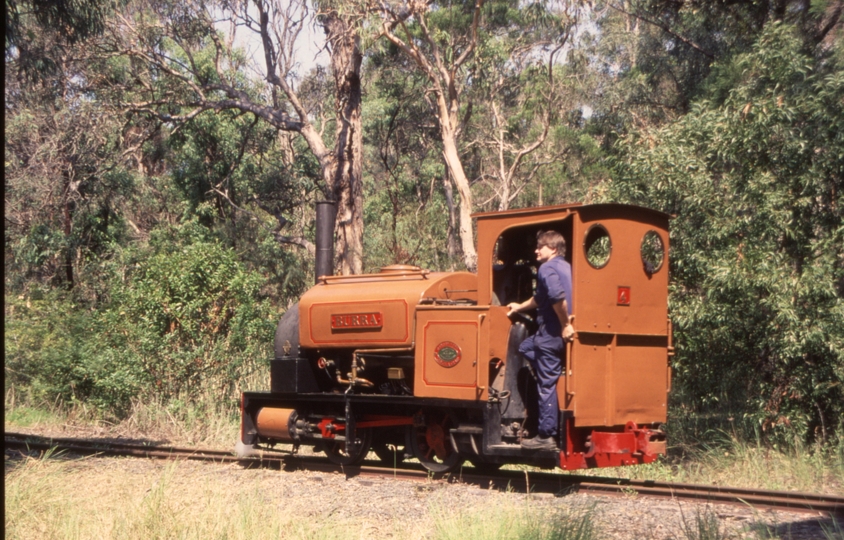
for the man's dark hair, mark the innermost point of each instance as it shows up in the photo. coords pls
(553, 240)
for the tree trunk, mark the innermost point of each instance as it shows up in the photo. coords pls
(347, 167)
(458, 176)
(447, 112)
(440, 69)
(68, 229)
(453, 238)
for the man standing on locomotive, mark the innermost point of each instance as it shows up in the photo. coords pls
(543, 349)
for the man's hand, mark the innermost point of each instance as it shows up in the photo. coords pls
(568, 333)
(514, 308)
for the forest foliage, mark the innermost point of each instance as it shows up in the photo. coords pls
(159, 195)
(753, 176)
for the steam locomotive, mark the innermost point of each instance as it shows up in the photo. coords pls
(411, 363)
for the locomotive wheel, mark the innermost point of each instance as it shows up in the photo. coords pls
(431, 443)
(336, 450)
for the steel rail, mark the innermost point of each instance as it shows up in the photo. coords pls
(520, 481)
(22, 441)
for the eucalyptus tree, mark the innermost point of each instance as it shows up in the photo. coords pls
(190, 60)
(441, 40)
(655, 57)
(64, 22)
(526, 86)
(406, 198)
(448, 43)
(63, 183)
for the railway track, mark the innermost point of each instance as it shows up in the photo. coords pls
(521, 481)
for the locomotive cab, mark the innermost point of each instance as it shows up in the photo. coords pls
(428, 362)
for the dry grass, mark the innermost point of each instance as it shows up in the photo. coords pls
(70, 500)
(750, 465)
(207, 422)
(516, 523)
(142, 499)
(131, 499)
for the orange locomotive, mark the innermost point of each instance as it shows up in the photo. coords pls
(428, 362)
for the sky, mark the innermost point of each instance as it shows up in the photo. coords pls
(310, 45)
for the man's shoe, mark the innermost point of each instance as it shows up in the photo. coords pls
(540, 443)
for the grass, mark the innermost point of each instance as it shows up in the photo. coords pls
(25, 416)
(516, 523)
(737, 463)
(704, 525)
(58, 498)
(51, 498)
(131, 499)
(206, 422)
(834, 530)
(797, 467)
(48, 498)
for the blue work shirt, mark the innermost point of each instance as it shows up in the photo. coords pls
(553, 283)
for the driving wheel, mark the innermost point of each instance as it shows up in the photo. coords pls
(337, 453)
(431, 443)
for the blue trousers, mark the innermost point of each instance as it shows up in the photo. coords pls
(543, 352)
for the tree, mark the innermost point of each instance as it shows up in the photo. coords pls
(440, 55)
(192, 68)
(522, 99)
(63, 188)
(755, 176)
(64, 22)
(405, 202)
(442, 41)
(63, 182)
(655, 57)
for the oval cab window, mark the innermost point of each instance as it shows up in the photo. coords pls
(653, 252)
(597, 246)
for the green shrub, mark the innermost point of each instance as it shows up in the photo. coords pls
(182, 317)
(45, 347)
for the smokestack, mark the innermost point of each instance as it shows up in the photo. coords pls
(326, 213)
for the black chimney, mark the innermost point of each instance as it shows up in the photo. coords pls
(326, 213)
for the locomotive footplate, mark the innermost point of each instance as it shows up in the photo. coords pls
(484, 443)
(495, 445)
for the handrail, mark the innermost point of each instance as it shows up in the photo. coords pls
(569, 383)
(409, 273)
(670, 352)
(481, 318)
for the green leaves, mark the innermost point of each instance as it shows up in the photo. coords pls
(757, 248)
(185, 318)
(190, 316)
